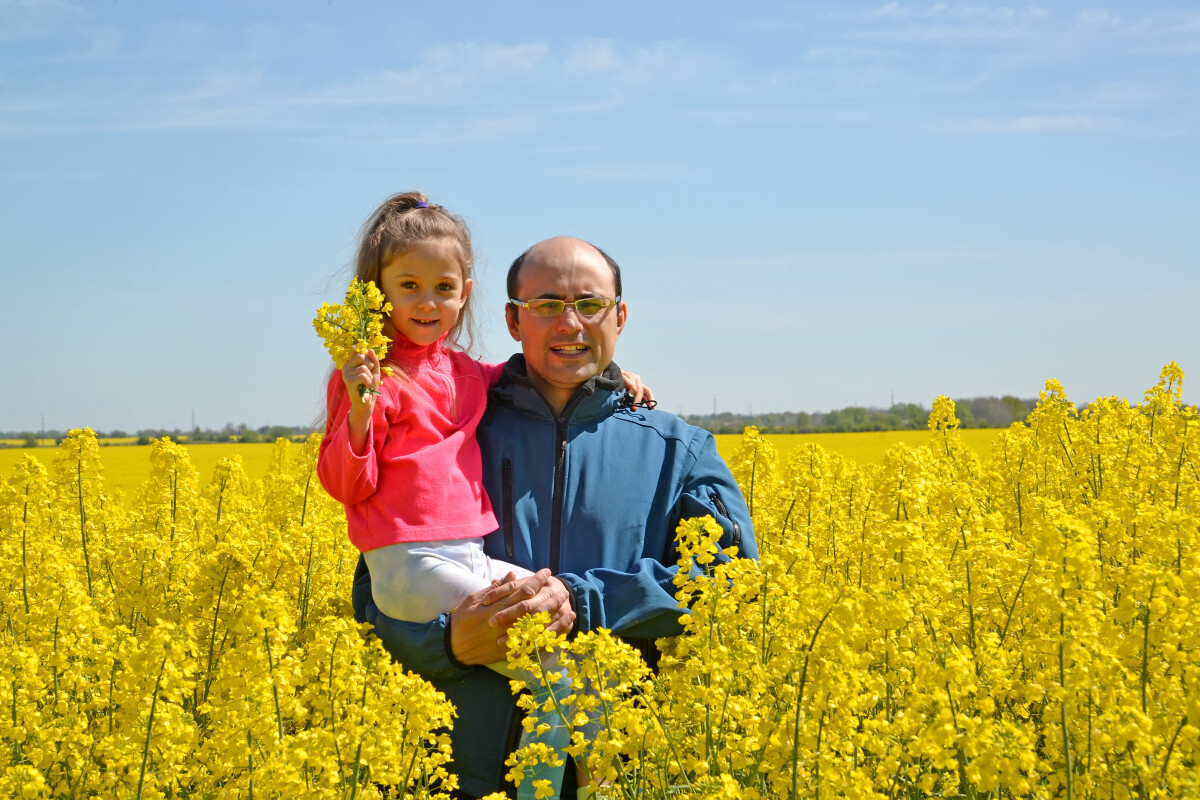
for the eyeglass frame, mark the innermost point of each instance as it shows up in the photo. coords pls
(526, 304)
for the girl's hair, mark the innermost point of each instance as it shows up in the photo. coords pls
(400, 223)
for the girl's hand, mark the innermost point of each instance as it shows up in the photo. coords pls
(362, 370)
(642, 395)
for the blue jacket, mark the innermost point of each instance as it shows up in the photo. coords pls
(595, 495)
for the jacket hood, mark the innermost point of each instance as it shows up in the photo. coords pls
(595, 397)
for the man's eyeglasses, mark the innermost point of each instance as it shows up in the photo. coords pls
(586, 307)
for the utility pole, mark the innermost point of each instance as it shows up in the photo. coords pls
(43, 430)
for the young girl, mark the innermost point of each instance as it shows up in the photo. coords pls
(405, 461)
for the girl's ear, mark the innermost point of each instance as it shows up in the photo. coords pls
(468, 285)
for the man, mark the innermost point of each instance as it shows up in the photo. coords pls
(586, 489)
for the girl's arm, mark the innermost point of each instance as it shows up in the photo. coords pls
(362, 370)
(641, 394)
(347, 462)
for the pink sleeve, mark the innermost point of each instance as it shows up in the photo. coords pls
(491, 372)
(348, 477)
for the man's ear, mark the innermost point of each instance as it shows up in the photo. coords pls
(622, 315)
(514, 323)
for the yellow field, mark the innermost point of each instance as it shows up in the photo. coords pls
(127, 466)
(862, 448)
(935, 625)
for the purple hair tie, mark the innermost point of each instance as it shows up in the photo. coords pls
(421, 204)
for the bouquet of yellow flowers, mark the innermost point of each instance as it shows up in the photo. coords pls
(355, 326)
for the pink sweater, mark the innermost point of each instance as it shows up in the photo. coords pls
(421, 478)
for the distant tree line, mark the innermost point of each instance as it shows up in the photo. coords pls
(229, 433)
(974, 412)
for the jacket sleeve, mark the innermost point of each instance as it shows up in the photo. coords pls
(419, 647)
(642, 603)
(349, 477)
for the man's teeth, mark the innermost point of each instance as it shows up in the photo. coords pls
(570, 348)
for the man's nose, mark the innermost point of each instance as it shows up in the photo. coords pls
(569, 319)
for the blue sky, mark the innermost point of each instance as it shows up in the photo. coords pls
(814, 204)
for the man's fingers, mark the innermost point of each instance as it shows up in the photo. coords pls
(513, 590)
(551, 597)
(498, 593)
(563, 623)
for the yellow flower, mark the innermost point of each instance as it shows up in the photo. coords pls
(356, 325)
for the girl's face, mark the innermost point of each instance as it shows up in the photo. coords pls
(427, 290)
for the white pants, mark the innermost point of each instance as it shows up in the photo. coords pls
(420, 581)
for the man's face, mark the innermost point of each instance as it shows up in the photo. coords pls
(564, 351)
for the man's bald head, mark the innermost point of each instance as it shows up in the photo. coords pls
(515, 268)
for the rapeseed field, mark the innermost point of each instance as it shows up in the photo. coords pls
(937, 623)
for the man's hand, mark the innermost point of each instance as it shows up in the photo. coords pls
(479, 622)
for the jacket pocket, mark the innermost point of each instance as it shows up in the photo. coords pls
(737, 530)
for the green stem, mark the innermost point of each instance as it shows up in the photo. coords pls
(212, 635)
(87, 563)
(274, 686)
(1146, 647)
(24, 550)
(800, 704)
(150, 727)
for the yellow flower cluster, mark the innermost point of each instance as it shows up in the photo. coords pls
(934, 626)
(196, 642)
(355, 326)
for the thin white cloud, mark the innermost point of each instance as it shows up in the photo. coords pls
(468, 73)
(1114, 97)
(847, 54)
(649, 67)
(960, 11)
(1099, 18)
(531, 78)
(949, 22)
(444, 75)
(22, 19)
(432, 133)
(624, 172)
(1045, 123)
(592, 56)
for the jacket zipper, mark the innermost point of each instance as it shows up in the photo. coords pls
(737, 531)
(509, 550)
(560, 469)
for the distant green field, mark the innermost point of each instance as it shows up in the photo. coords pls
(863, 448)
(125, 467)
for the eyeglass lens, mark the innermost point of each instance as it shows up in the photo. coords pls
(587, 307)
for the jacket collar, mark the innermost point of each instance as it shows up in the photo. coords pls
(596, 397)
